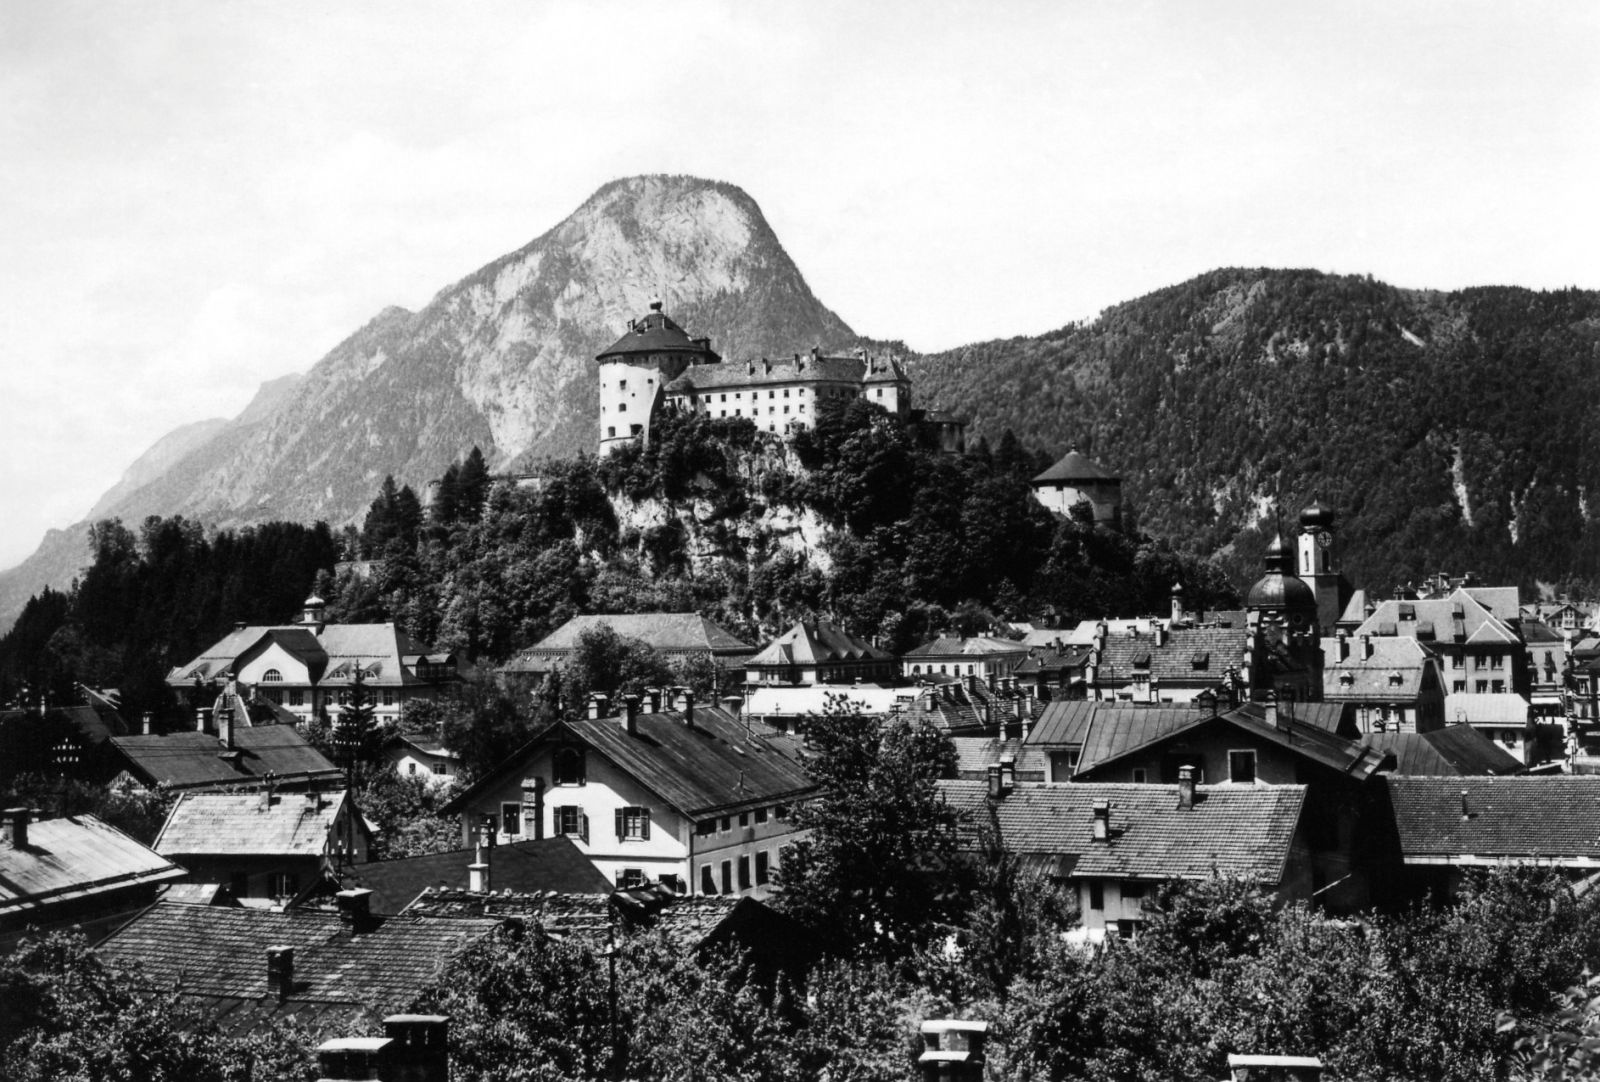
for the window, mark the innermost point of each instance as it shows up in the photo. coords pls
(1140, 775)
(780, 812)
(1481, 687)
(411, 768)
(725, 398)
(441, 769)
(1132, 892)
(611, 431)
(629, 878)
(297, 697)
(388, 696)
(567, 765)
(633, 824)
(1097, 896)
(1063, 763)
(705, 829)
(672, 882)
(744, 819)
(1457, 661)
(708, 882)
(285, 885)
(744, 873)
(1497, 686)
(761, 868)
(272, 676)
(727, 877)
(1242, 767)
(725, 825)
(761, 816)
(570, 821)
(511, 818)
(786, 394)
(622, 407)
(1458, 686)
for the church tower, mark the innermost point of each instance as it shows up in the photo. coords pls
(1282, 643)
(1317, 564)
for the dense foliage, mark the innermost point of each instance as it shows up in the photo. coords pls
(1242, 385)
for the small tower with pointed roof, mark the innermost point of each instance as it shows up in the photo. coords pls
(635, 370)
(1076, 477)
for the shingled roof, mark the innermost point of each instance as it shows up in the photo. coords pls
(778, 370)
(716, 764)
(1183, 655)
(1466, 616)
(192, 760)
(966, 646)
(218, 956)
(816, 644)
(1244, 831)
(666, 632)
(1481, 820)
(1074, 466)
(1453, 750)
(250, 824)
(548, 864)
(76, 857)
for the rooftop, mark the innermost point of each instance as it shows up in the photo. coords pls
(1447, 752)
(263, 824)
(1554, 817)
(549, 864)
(668, 632)
(1244, 831)
(817, 644)
(1075, 467)
(190, 760)
(70, 858)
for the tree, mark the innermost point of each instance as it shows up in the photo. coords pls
(611, 664)
(356, 733)
(877, 871)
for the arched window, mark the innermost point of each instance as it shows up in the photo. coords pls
(272, 676)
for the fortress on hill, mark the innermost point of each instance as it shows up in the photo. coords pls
(657, 365)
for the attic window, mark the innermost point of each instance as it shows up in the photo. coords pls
(1346, 679)
(1201, 660)
(1142, 659)
(1408, 612)
(272, 676)
(1388, 629)
(1425, 629)
(1395, 680)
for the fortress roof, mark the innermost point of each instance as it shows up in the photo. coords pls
(656, 333)
(1074, 466)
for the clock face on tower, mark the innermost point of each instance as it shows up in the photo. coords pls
(1324, 539)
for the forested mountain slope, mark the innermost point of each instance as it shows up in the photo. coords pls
(1450, 430)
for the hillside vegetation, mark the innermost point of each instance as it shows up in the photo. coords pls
(1450, 430)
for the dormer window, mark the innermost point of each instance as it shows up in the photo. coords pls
(567, 765)
(272, 676)
(1346, 678)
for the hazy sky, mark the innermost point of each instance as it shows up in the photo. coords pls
(195, 197)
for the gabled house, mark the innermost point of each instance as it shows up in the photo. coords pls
(977, 655)
(249, 968)
(1116, 844)
(818, 653)
(1472, 632)
(674, 634)
(311, 668)
(1165, 664)
(1055, 672)
(269, 848)
(413, 755)
(972, 706)
(72, 871)
(1392, 683)
(1075, 478)
(692, 797)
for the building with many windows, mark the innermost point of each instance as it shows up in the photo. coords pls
(689, 797)
(311, 668)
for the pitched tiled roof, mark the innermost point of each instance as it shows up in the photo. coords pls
(975, 754)
(668, 632)
(1074, 466)
(1461, 617)
(193, 759)
(238, 824)
(1453, 750)
(219, 956)
(1053, 662)
(655, 332)
(974, 646)
(1395, 672)
(809, 369)
(1112, 733)
(1244, 831)
(1520, 818)
(817, 644)
(967, 706)
(71, 858)
(789, 700)
(550, 864)
(717, 763)
(1187, 655)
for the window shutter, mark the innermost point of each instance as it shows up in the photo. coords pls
(583, 826)
(644, 823)
(622, 824)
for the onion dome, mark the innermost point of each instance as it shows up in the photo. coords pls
(1317, 517)
(1279, 590)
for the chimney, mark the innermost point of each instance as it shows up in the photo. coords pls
(1270, 707)
(1008, 773)
(1186, 787)
(654, 695)
(733, 704)
(630, 714)
(420, 1047)
(225, 722)
(597, 706)
(1365, 642)
(991, 679)
(144, 723)
(1344, 645)
(952, 1050)
(1466, 812)
(1161, 633)
(972, 684)
(1177, 604)
(996, 786)
(688, 707)
(18, 820)
(355, 909)
(478, 870)
(1102, 821)
(280, 971)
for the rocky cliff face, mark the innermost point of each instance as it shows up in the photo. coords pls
(503, 359)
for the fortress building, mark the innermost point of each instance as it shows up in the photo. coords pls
(1074, 478)
(656, 364)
